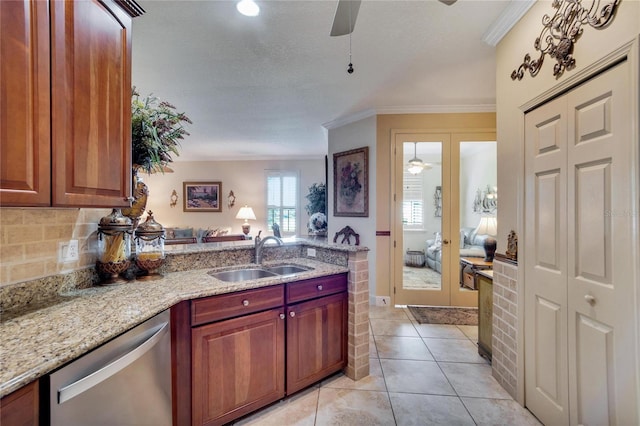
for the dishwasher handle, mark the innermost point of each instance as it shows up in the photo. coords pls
(92, 379)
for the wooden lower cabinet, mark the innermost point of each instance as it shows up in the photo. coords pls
(245, 350)
(238, 366)
(316, 340)
(21, 408)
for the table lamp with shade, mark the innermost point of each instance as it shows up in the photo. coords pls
(246, 213)
(488, 226)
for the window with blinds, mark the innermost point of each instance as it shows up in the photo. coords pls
(282, 196)
(413, 201)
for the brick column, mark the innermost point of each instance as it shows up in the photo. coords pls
(505, 326)
(358, 327)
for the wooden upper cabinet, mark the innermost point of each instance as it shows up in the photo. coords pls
(24, 104)
(90, 103)
(65, 99)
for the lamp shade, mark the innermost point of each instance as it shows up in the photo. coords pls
(487, 226)
(246, 213)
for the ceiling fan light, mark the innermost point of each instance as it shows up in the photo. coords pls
(415, 166)
(248, 8)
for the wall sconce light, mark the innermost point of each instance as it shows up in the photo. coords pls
(247, 214)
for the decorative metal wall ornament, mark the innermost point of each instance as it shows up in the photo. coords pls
(560, 32)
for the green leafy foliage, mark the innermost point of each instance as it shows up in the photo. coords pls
(317, 197)
(156, 130)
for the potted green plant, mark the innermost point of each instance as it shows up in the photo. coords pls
(317, 209)
(156, 131)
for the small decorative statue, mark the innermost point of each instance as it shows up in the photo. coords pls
(512, 246)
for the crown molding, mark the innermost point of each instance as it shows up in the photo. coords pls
(435, 109)
(348, 119)
(507, 19)
(411, 109)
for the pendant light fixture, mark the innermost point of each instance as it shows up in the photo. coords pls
(350, 66)
(415, 164)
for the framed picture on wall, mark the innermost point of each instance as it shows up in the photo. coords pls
(202, 196)
(351, 183)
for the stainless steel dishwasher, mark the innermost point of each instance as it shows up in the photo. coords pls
(126, 381)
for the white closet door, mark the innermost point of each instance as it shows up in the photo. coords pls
(602, 377)
(580, 318)
(545, 260)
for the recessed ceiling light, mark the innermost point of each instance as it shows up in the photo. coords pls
(248, 8)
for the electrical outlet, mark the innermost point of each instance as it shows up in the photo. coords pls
(383, 301)
(68, 251)
(311, 252)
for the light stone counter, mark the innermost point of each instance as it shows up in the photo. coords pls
(78, 320)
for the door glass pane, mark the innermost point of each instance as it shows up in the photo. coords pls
(478, 207)
(422, 215)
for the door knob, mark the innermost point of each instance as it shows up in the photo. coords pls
(445, 241)
(590, 299)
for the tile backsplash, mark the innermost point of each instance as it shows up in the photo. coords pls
(29, 240)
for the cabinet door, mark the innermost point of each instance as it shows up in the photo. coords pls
(91, 103)
(237, 366)
(24, 104)
(316, 340)
(21, 407)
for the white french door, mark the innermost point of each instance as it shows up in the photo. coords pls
(580, 319)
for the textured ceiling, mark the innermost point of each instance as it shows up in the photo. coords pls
(263, 87)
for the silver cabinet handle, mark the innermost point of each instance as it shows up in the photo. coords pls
(92, 379)
(245, 302)
(320, 287)
(292, 314)
(281, 316)
(590, 299)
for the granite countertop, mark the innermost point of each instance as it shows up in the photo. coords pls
(38, 340)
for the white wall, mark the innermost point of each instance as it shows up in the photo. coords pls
(351, 136)
(245, 178)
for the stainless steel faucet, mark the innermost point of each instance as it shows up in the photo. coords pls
(260, 245)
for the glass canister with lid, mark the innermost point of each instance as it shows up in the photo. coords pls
(149, 239)
(114, 246)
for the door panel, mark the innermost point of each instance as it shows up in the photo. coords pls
(545, 264)
(580, 330)
(436, 290)
(602, 378)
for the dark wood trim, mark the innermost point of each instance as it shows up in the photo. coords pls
(181, 362)
(504, 259)
(383, 233)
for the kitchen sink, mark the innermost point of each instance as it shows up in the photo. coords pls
(242, 274)
(287, 269)
(256, 273)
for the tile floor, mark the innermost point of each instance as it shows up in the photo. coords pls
(421, 374)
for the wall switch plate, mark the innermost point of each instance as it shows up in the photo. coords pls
(311, 252)
(383, 301)
(68, 251)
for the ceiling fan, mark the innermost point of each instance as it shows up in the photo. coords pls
(416, 165)
(344, 21)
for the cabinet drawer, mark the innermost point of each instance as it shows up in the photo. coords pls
(469, 280)
(316, 287)
(217, 308)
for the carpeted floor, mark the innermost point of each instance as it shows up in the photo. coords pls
(420, 278)
(444, 315)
